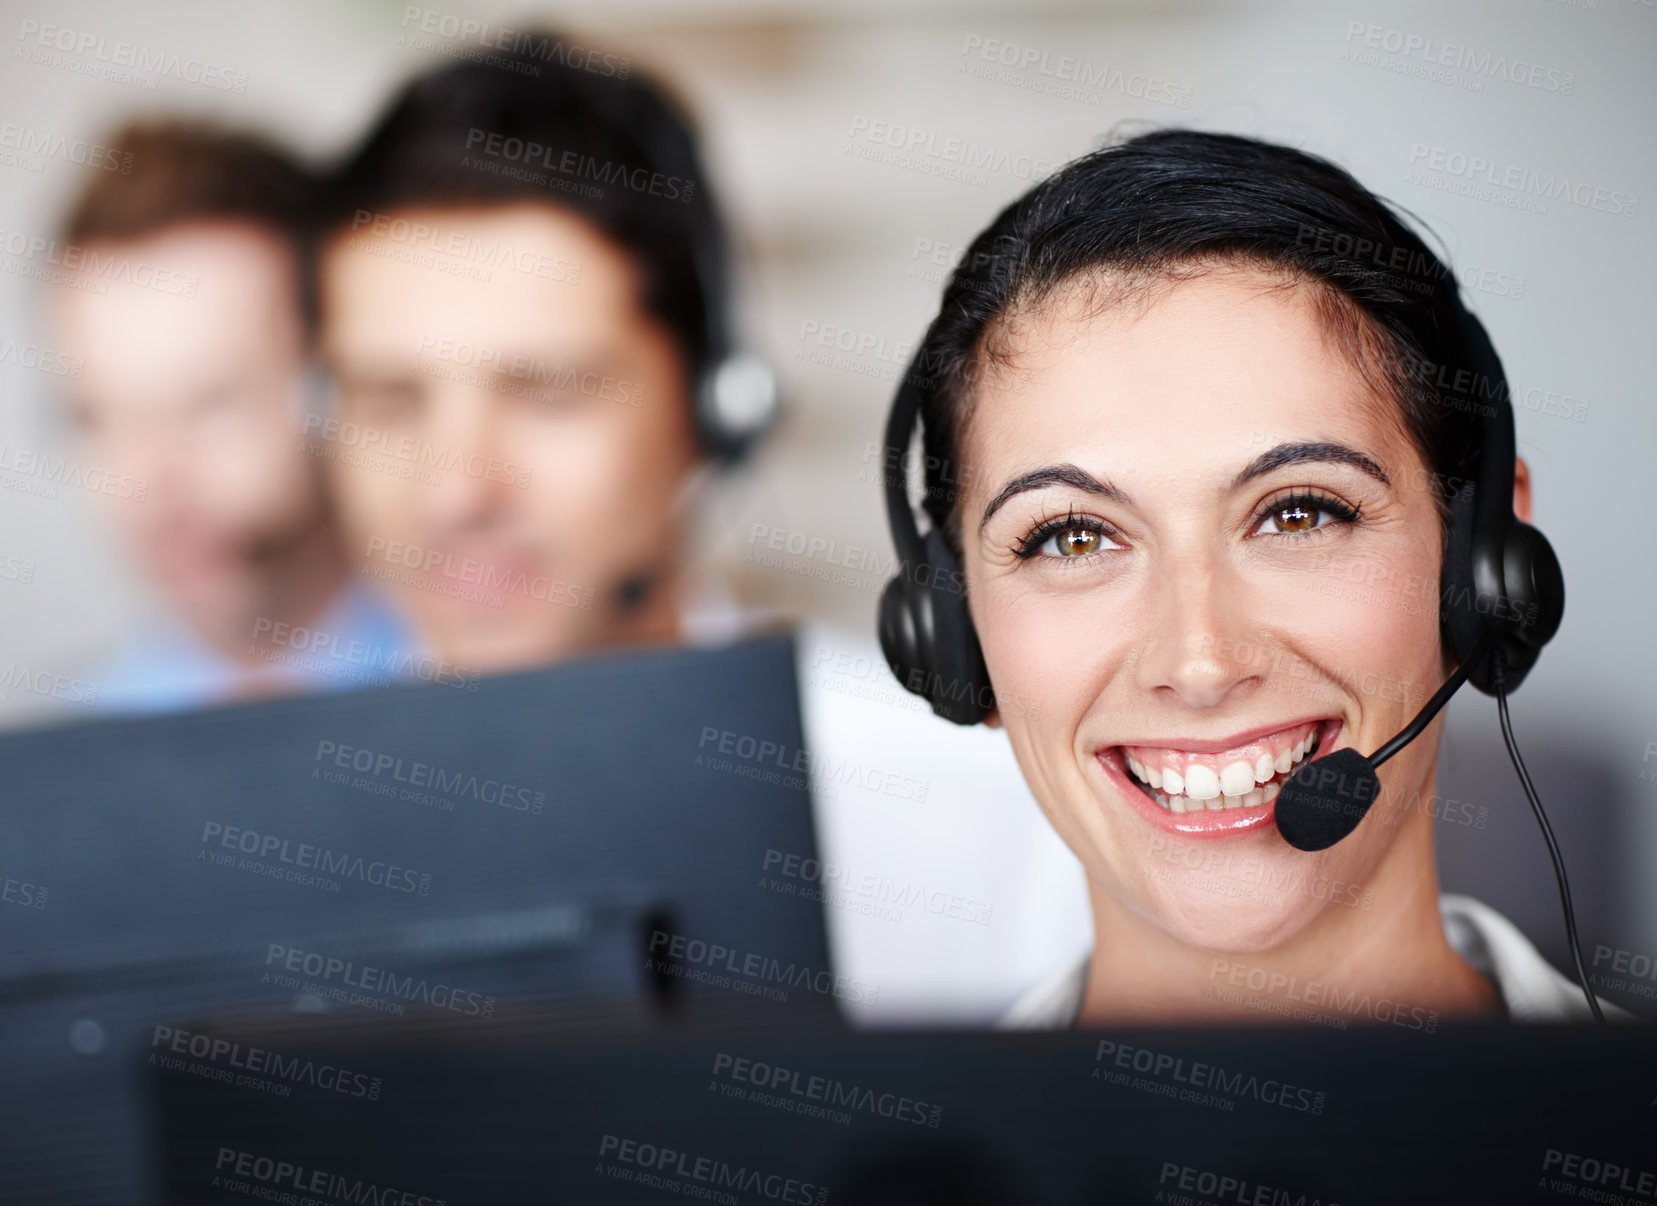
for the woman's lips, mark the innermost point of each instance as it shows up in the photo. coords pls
(1204, 793)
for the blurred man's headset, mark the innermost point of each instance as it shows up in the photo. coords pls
(1501, 592)
(736, 398)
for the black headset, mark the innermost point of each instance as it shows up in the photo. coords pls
(1500, 577)
(735, 398)
(736, 395)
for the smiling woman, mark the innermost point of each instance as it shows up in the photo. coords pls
(1207, 405)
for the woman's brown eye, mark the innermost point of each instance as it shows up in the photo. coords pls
(1070, 540)
(1077, 542)
(1296, 518)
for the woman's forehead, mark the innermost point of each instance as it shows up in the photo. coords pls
(1202, 371)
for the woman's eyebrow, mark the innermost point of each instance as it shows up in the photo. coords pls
(1291, 454)
(1274, 458)
(1059, 475)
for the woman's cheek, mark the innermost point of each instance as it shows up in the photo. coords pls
(1045, 655)
(1042, 659)
(1378, 636)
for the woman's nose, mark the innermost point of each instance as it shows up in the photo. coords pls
(1197, 649)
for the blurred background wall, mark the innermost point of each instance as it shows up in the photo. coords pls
(846, 242)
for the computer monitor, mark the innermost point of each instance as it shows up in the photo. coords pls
(736, 1105)
(599, 827)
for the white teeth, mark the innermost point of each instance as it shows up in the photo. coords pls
(1251, 799)
(1239, 784)
(1236, 778)
(1201, 783)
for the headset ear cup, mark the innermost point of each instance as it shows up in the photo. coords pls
(926, 634)
(1531, 599)
(900, 639)
(1535, 585)
(960, 687)
(1459, 618)
(737, 402)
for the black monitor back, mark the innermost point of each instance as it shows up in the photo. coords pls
(599, 827)
(735, 1105)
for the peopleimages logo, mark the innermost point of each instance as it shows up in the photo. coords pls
(1063, 76)
(1598, 1175)
(22, 893)
(40, 145)
(423, 774)
(41, 359)
(252, 1062)
(374, 660)
(942, 155)
(674, 953)
(47, 685)
(1488, 178)
(263, 1176)
(1203, 1082)
(549, 49)
(1636, 973)
(1221, 1187)
(458, 244)
(553, 381)
(332, 432)
(485, 575)
(97, 56)
(873, 887)
(377, 980)
(91, 267)
(1480, 64)
(509, 148)
(760, 754)
(711, 1175)
(1316, 995)
(303, 857)
(50, 472)
(772, 1084)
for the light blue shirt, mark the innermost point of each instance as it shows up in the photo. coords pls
(358, 642)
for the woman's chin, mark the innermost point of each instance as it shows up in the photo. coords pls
(1199, 916)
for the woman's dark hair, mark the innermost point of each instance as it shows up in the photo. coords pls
(551, 122)
(1177, 202)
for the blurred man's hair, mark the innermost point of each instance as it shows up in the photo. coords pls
(187, 173)
(557, 126)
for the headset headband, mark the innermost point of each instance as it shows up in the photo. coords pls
(900, 431)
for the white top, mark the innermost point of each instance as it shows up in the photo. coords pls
(945, 887)
(1530, 988)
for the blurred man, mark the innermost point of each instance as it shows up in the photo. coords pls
(517, 298)
(186, 294)
(522, 293)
